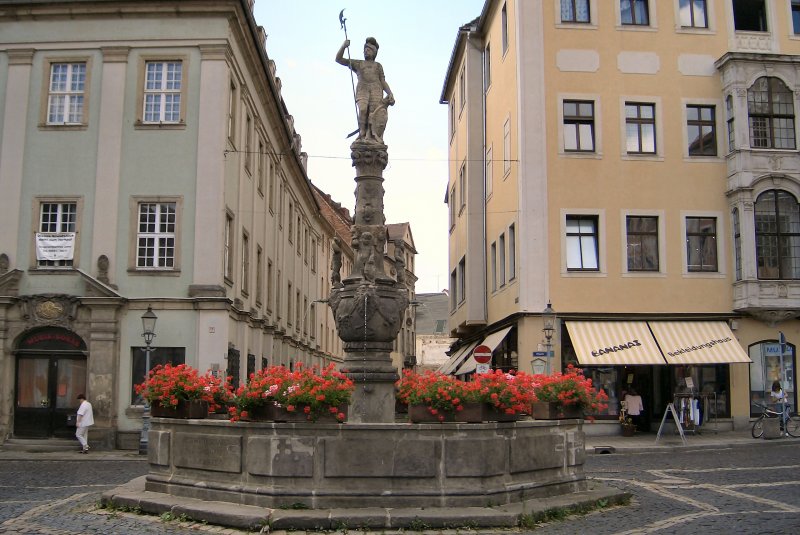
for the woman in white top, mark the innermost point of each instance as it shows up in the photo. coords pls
(634, 405)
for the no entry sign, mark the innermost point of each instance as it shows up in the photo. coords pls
(482, 354)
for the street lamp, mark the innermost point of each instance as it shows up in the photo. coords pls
(549, 320)
(148, 332)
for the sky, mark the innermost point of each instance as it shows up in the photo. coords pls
(416, 39)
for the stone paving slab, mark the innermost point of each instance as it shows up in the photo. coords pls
(132, 495)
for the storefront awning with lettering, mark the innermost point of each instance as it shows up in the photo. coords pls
(457, 358)
(698, 342)
(613, 343)
(491, 341)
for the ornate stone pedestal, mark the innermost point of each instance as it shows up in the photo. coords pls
(369, 305)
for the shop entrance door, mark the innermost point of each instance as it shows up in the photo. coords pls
(47, 387)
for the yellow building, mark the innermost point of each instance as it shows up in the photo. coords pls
(635, 164)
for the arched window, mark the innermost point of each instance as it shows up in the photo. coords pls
(771, 112)
(777, 223)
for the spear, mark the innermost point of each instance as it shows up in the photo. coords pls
(343, 22)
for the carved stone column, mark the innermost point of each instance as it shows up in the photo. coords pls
(369, 305)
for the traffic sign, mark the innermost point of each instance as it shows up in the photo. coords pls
(482, 354)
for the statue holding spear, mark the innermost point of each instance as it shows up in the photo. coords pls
(369, 92)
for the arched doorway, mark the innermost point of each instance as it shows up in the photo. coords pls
(50, 373)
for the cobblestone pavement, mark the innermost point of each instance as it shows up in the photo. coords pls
(743, 490)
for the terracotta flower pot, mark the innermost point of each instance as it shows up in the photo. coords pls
(550, 410)
(193, 408)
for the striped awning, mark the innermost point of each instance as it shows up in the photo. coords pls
(698, 342)
(492, 341)
(457, 358)
(612, 343)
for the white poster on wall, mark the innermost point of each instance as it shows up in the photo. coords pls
(55, 245)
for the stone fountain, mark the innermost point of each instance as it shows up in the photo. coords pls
(371, 461)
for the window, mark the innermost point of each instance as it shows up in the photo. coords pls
(731, 131)
(493, 260)
(298, 311)
(777, 221)
(245, 263)
(278, 286)
(462, 186)
(701, 244)
(796, 16)
(290, 234)
(737, 244)
(270, 286)
(578, 126)
(575, 11)
(766, 369)
(487, 67)
(453, 289)
(694, 13)
(289, 303)
(162, 91)
(582, 243)
(750, 15)
(232, 114)
(155, 239)
(271, 183)
(159, 356)
(462, 280)
(451, 201)
(227, 255)
(701, 130)
(259, 274)
(66, 93)
(56, 218)
(642, 234)
(248, 143)
(512, 252)
(771, 112)
(504, 27)
(462, 89)
(260, 171)
(640, 128)
(501, 261)
(313, 255)
(451, 108)
(506, 146)
(488, 176)
(634, 12)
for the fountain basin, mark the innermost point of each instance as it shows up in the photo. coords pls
(319, 466)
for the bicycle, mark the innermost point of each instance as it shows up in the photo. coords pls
(789, 424)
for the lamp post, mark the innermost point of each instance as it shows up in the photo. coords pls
(148, 332)
(549, 320)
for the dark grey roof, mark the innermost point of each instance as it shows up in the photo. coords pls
(432, 312)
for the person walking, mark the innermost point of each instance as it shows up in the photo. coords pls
(83, 422)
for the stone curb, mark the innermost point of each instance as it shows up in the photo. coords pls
(132, 495)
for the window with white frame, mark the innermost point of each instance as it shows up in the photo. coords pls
(162, 91)
(634, 12)
(66, 93)
(56, 218)
(730, 124)
(507, 146)
(777, 225)
(642, 246)
(770, 107)
(504, 27)
(501, 260)
(578, 125)
(575, 11)
(737, 244)
(156, 236)
(701, 244)
(582, 243)
(227, 254)
(462, 186)
(512, 252)
(693, 13)
(245, 263)
(701, 129)
(640, 128)
(489, 178)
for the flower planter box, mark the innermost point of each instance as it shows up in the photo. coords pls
(280, 414)
(193, 408)
(419, 414)
(484, 412)
(550, 410)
